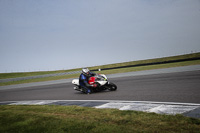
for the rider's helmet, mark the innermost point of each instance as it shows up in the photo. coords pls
(86, 71)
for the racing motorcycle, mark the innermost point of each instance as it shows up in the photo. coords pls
(100, 80)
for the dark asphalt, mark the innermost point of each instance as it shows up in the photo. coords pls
(183, 87)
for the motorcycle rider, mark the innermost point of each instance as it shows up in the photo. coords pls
(83, 80)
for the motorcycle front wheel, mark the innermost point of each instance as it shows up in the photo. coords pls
(112, 87)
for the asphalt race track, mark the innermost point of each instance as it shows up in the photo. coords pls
(182, 87)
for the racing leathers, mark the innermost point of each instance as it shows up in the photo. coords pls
(83, 81)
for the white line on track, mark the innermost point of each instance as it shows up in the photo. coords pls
(171, 108)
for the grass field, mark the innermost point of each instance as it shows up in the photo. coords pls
(74, 119)
(121, 70)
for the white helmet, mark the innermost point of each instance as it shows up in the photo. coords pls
(85, 71)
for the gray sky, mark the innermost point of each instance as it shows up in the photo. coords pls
(63, 34)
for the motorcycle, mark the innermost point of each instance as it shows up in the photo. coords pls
(101, 82)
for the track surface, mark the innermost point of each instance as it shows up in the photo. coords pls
(181, 87)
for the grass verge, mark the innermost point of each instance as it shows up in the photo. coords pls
(25, 74)
(58, 119)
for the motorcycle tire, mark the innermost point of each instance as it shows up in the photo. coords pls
(112, 87)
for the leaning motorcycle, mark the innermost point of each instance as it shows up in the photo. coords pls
(100, 80)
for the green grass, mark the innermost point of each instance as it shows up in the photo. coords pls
(26, 74)
(58, 119)
(121, 70)
(141, 68)
(40, 79)
(186, 56)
